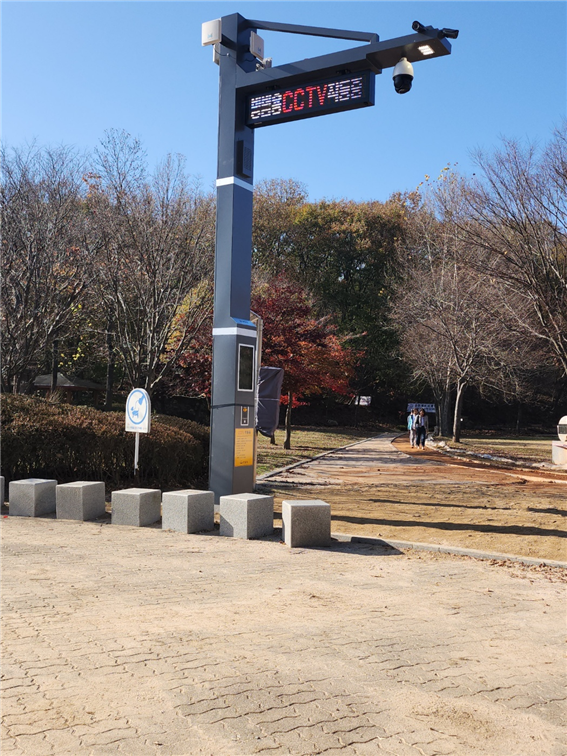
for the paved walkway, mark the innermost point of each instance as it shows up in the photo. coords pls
(376, 461)
(140, 641)
(376, 489)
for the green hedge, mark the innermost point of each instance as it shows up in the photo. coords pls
(42, 439)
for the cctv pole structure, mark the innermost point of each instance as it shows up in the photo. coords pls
(253, 94)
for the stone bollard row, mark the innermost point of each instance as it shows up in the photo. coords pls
(245, 515)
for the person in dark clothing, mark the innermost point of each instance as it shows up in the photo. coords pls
(421, 428)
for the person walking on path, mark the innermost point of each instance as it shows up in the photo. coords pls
(412, 417)
(421, 428)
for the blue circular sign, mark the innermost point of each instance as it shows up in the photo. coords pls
(137, 406)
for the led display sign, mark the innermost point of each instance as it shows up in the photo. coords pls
(311, 99)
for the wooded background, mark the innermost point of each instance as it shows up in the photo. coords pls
(454, 293)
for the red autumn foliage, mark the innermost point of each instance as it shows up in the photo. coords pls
(314, 358)
(192, 373)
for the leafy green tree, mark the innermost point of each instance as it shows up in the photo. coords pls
(276, 206)
(345, 253)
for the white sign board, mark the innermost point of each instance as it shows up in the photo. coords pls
(418, 405)
(138, 411)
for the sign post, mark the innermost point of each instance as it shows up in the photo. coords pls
(253, 94)
(138, 418)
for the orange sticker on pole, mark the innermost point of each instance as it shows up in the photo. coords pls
(243, 447)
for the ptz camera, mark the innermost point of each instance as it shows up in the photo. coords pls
(403, 76)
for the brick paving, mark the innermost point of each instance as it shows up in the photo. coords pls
(138, 641)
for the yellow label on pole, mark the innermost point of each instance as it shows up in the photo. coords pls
(243, 447)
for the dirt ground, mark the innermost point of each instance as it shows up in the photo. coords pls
(430, 497)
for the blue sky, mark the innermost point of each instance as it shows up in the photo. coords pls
(71, 70)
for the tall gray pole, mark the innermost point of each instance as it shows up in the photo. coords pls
(234, 335)
(251, 93)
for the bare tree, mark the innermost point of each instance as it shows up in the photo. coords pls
(157, 255)
(451, 331)
(513, 220)
(45, 253)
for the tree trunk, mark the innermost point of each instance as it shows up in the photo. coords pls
(54, 365)
(444, 413)
(457, 415)
(287, 442)
(519, 418)
(111, 357)
(159, 400)
(559, 392)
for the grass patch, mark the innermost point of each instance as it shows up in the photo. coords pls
(306, 442)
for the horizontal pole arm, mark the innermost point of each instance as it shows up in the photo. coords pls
(314, 31)
(374, 57)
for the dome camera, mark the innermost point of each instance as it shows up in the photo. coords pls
(403, 76)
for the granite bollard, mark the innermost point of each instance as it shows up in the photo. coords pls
(80, 500)
(559, 453)
(136, 506)
(306, 523)
(246, 515)
(31, 497)
(188, 511)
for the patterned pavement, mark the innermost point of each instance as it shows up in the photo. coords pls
(135, 641)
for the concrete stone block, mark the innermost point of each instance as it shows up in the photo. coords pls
(32, 497)
(80, 500)
(136, 506)
(559, 453)
(188, 511)
(246, 515)
(306, 523)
